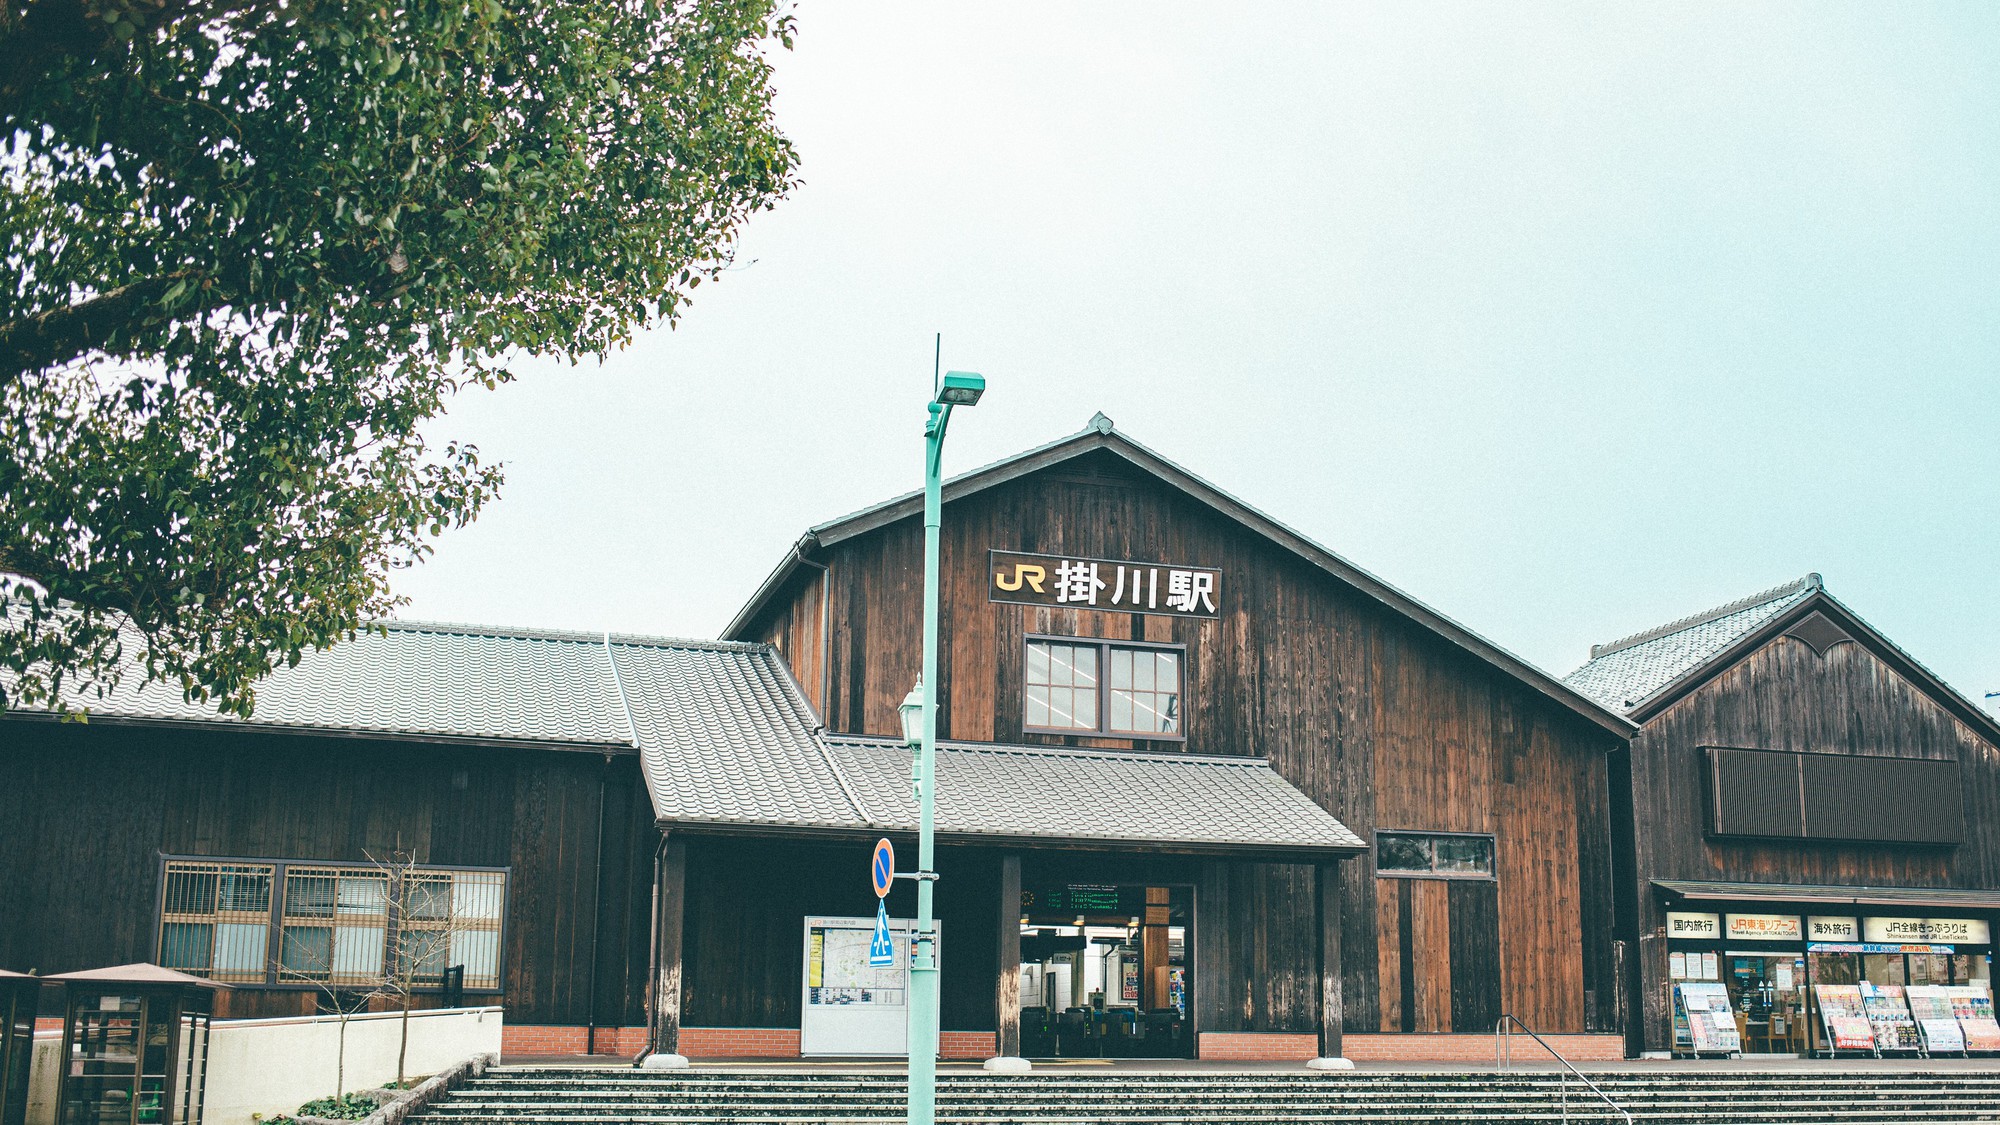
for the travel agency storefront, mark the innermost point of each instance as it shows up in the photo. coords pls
(1841, 970)
(1812, 839)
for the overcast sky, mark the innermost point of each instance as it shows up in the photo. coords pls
(1564, 320)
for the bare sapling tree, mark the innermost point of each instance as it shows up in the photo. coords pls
(336, 926)
(439, 920)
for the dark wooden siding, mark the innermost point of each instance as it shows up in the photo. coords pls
(1787, 696)
(90, 809)
(1382, 722)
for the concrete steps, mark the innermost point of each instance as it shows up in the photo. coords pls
(552, 1096)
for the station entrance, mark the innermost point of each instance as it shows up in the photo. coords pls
(1106, 971)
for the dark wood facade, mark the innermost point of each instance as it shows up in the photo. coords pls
(90, 810)
(1375, 712)
(1816, 680)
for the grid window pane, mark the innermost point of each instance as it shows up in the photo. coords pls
(1464, 855)
(1060, 686)
(240, 948)
(1402, 853)
(479, 952)
(306, 950)
(357, 953)
(216, 919)
(187, 946)
(1145, 692)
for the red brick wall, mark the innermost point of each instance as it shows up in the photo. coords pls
(555, 1039)
(1257, 1045)
(968, 1044)
(740, 1042)
(1475, 1048)
(783, 1043)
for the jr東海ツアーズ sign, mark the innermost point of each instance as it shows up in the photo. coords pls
(1112, 584)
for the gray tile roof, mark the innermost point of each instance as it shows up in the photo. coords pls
(1625, 673)
(1076, 794)
(419, 678)
(726, 739)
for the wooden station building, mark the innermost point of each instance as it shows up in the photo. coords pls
(1141, 677)
(1205, 789)
(1803, 807)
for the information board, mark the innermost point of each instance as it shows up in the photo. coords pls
(1889, 1017)
(1973, 1006)
(1711, 1022)
(1931, 1008)
(1844, 1017)
(1079, 898)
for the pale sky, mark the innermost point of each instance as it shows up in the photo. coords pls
(1566, 320)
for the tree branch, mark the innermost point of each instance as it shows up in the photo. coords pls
(57, 336)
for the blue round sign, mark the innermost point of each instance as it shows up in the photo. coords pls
(882, 871)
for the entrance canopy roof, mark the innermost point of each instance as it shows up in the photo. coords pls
(1942, 899)
(729, 744)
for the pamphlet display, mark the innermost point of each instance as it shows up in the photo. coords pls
(1889, 1017)
(1711, 1022)
(1844, 1017)
(1932, 1009)
(1973, 1006)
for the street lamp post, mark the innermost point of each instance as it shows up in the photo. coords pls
(959, 388)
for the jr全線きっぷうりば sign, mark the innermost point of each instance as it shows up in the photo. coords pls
(1073, 582)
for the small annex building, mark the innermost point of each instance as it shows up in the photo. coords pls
(1206, 789)
(1806, 814)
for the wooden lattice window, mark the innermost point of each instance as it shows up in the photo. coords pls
(215, 919)
(336, 925)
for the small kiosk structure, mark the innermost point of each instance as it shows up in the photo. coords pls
(19, 994)
(135, 1046)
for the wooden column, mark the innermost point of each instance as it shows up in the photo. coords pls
(1007, 985)
(1331, 1011)
(669, 908)
(1153, 949)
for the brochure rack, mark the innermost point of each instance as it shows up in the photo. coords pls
(1710, 1021)
(1844, 1018)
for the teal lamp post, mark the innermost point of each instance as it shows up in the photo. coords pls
(919, 715)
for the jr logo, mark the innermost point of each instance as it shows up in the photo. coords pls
(1023, 572)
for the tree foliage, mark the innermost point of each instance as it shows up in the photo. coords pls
(254, 246)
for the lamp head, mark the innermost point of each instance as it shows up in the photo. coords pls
(961, 388)
(911, 711)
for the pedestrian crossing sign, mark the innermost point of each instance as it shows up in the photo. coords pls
(881, 951)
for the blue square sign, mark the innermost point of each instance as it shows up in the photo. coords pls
(882, 950)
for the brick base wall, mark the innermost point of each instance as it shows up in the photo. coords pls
(1477, 1048)
(783, 1043)
(1261, 1046)
(968, 1044)
(556, 1039)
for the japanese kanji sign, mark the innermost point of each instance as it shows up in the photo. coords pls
(1109, 584)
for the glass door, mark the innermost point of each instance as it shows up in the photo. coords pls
(1768, 992)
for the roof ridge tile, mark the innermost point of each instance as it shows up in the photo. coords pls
(1775, 593)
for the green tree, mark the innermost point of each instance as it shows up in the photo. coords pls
(255, 245)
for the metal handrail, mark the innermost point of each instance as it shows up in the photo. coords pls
(1503, 1058)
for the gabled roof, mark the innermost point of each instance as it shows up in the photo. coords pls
(1101, 435)
(1626, 672)
(1643, 674)
(141, 972)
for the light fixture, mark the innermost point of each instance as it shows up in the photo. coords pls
(912, 713)
(961, 388)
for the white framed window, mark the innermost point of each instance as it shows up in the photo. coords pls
(1073, 685)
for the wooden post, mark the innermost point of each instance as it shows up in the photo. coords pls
(1007, 990)
(1153, 948)
(1330, 1004)
(671, 907)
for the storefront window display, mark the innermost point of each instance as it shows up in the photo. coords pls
(1786, 991)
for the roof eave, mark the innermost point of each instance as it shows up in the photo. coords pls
(1268, 851)
(614, 748)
